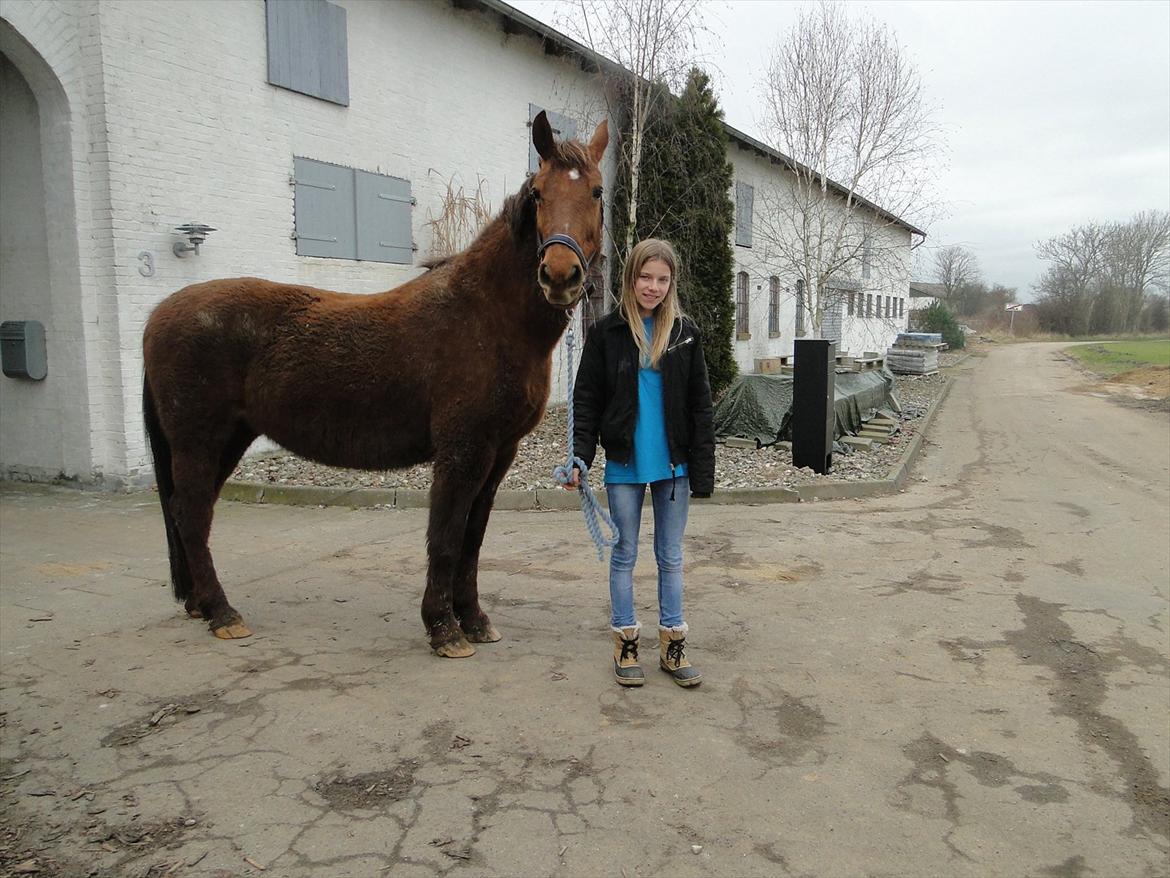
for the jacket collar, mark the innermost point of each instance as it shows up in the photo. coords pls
(614, 320)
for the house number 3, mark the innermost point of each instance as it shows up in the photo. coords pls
(146, 269)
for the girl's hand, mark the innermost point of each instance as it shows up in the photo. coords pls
(574, 480)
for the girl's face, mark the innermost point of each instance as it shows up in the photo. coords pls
(651, 285)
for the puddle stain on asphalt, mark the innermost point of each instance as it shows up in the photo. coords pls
(1079, 690)
(934, 760)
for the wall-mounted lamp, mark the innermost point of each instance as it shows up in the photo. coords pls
(196, 233)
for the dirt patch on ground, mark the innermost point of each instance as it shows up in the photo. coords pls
(129, 847)
(1147, 387)
(1146, 382)
(370, 790)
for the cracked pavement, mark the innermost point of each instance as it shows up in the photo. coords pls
(968, 678)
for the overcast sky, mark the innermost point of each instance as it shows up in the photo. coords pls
(1055, 113)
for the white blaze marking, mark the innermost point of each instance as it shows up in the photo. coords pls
(574, 174)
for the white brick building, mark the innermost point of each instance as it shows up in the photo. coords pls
(124, 119)
(871, 306)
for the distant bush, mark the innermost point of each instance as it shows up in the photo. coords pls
(938, 318)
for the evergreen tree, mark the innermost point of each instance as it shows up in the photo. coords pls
(685, 198)
(938, 318)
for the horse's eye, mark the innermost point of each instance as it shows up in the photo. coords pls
(597, 191)
(536, 195)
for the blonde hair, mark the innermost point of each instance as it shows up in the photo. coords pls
(667, 311)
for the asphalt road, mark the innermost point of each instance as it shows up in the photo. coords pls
(966, 679)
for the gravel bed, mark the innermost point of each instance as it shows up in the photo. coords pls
(545, 448)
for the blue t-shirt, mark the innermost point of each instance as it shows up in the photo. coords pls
(650, 456)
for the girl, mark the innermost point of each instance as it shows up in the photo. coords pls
(642, 390)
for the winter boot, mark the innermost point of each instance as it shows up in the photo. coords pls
(671, 645)
(625, 656)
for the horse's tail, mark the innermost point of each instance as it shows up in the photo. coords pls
(160, 450)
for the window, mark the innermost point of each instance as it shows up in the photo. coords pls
(889, 305)
(744, 195)
(741, 306)
(563, 127)
(345, 213)
(869, 304)
(800, 307)
(849, 302)
(901, 307)
(773, 306)
(307, 48)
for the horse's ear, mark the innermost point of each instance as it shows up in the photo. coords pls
(542, 136)
(599, 142)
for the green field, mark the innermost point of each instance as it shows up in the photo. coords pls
(1115, 357)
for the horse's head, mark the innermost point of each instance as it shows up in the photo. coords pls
(567, 191)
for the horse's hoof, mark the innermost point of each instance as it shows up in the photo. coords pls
(234, 631)
(458, 648)
(194, 613)
(486, 634)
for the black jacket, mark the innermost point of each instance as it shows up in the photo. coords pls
(605, 399)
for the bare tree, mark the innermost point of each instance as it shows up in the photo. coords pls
(655, 43)
(954, 268)
(844, 103)
(1069, 285)
(1101, 275)
(1137, 257)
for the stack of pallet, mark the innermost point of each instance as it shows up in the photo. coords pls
(867, 361)
(915, 353)
(875, 431)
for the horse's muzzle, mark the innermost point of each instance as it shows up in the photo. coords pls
(562, 270)
(562, 293)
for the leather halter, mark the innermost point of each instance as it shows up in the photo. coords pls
(569, 242)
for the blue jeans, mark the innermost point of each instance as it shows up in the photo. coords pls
(670, 522)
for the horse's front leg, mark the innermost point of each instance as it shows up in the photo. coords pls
(472, 619)
(458, 479)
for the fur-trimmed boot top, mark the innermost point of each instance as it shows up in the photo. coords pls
(625, 656)
(672, 656)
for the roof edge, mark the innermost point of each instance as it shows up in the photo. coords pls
(525, 23)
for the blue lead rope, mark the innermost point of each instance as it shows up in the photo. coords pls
(590, 508)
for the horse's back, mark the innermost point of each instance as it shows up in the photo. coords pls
(339, 377)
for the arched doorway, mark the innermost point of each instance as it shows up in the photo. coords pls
(44, 425)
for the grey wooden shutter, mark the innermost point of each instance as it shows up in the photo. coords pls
(323, 205)
(563, 127)
(744, 196)
(383, 218)
(308, 48)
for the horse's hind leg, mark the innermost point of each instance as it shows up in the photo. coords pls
(476, 625)
(237, 444)
(197, 482)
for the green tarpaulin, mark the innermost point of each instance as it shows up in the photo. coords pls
(759, 407)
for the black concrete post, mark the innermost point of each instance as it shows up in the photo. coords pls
(812, 403)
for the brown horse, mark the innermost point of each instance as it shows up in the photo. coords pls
(452, 367)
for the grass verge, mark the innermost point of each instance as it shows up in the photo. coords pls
(1113, 358)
